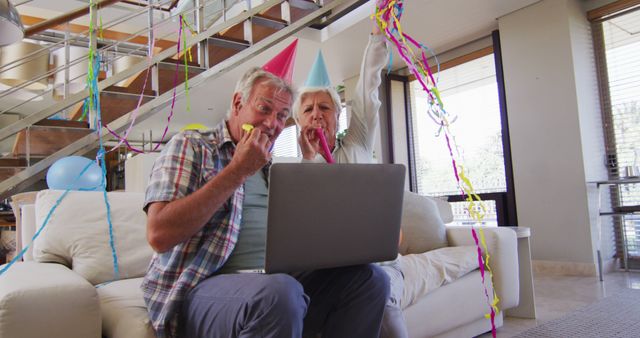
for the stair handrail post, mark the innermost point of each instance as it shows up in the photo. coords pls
(203, 50)
(93, 46)
(285, 11)
(67, 51)
(27, 142)
(155, 82)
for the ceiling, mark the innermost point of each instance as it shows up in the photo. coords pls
(439, 24)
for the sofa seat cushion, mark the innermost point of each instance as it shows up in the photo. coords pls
(423, 273)
(450, 307)
(41, 300)
(77, 234)
(422, 225)
(124, 313)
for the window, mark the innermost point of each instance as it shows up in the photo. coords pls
(287, 143)
(470, 93)
(617, 45)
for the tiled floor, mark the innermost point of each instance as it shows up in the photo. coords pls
(559, 295)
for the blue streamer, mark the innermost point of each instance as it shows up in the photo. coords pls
(95, 96)
(46, 221)
(100, 157)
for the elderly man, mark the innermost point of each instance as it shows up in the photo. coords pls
(207, 206)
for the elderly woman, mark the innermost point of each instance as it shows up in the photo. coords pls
(317, 107)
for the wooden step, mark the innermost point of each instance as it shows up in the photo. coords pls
(222, 47)
(166, 77)
(218, 40)
(12, 162)
(297, 9)
(180, 60)
(62, 123)
(8, 172)
(132, 90)
(269, 21)
(307, 5)
(44, 141)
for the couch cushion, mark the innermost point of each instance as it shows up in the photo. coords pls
(77, 234)
(428, 271)
(124, 313)
(451, 308)
(422, 227)
(47, 300)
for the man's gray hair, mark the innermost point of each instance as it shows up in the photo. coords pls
(304, 91)
(249, 79)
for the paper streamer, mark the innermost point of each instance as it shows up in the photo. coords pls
(325, 147)
(93, 101)
(387, 17)
(123, 139)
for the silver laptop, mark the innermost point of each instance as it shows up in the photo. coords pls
(332, 215)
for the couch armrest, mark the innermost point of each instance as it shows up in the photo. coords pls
(47, 300)
(502, 244)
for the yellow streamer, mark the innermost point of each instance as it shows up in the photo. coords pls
(476, 207)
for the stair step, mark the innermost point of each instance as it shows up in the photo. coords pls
(180, 61)
(307, 5)
(130, 90)
(11, 162)
(269, 21)
(167, 75)
(46, 141)
(228, 42)
(8, 172)
(62, 124)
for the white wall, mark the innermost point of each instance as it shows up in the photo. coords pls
(554, 125)
(592, 135)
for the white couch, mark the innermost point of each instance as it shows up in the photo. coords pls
(66, 286)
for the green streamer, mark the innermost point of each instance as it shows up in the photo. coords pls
(186, 66)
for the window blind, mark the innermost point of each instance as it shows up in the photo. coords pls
(287, 143)
(617, 42)
(470, 94)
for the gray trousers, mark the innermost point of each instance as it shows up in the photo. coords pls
(335, 303)
(393, 325)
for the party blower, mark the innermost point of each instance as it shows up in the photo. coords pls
(325, 147)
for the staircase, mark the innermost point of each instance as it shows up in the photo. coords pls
(37, 141)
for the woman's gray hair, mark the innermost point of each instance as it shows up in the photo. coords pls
(249, 79)
(304, 91)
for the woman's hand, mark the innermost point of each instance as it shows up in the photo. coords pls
(309, 143)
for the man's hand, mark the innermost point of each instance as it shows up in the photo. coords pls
(252, 153)
(309, 143)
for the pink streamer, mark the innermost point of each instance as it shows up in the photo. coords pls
(173, 102)
(325, 147)
(436, 109)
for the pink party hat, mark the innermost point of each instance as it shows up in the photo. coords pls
(282, 64)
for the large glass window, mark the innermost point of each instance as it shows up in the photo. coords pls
(469, 92)
(287, 143)
(617, 43)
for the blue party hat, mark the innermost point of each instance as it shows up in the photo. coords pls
(318, 76)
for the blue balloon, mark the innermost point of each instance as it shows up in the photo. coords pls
(65, 174)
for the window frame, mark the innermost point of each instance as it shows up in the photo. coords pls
(505, 201)
(597, 17)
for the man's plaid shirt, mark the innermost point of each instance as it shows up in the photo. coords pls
(187, 162)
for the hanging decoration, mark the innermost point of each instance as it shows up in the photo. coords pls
(92, 103)
(123, 139)
(387, 16)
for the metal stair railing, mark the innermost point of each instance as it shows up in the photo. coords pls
(83, 37)
(32, 173)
